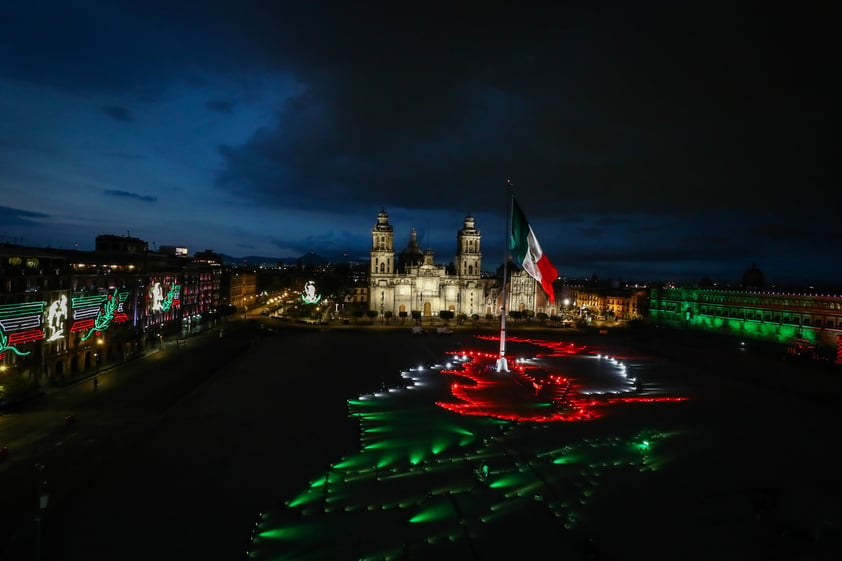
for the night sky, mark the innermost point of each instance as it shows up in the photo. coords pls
(647, 141)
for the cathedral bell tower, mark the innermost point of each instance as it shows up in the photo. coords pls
(468, 255)
(382, 246)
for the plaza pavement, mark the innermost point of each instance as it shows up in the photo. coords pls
(743, 470)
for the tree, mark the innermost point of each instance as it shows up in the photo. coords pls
(388, 315)
(446, 315)
(416, 315)
(371, 314)
(402, 315)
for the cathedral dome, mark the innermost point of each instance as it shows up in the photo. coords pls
(412, 256)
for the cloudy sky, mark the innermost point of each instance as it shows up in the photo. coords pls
(645, 140)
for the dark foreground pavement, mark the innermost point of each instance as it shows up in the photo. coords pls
(188, 450)
(160, 472)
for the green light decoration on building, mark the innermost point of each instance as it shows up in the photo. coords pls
(171, 298)
(19, 324)
(4, 346)
(105, 315)
(803, 321)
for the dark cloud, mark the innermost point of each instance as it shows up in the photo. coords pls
(128, 195)
(655, 131)
(18, 217)
(611, 108)
(118, 113)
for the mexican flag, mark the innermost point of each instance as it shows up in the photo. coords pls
(527, 252)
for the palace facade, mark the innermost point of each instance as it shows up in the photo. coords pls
(807, 324)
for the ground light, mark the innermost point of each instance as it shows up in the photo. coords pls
(435, 478)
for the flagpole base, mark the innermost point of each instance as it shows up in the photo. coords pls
(502, 364)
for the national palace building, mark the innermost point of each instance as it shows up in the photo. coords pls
(806, 324)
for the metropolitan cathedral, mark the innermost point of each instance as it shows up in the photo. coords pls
(411, 281)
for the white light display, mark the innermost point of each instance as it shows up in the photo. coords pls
(309, 296)
(156, 297)
(56, 317)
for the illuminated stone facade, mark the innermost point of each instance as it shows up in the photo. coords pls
(811, 321)
(411, 281)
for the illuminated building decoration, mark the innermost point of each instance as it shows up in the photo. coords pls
(20, 323)
(808, 324)
(95, 314)
(56, 318)
(155, 297)
(173, 298)
(309, 295)
(158, 302)
(428, 484)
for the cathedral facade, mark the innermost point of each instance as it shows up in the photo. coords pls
(410, 280)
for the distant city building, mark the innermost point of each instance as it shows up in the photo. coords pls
(609, 302)
(239, 289)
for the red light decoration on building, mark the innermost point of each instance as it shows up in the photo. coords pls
(20, 323)
(97, 313)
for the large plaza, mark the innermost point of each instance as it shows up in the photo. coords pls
(379, 444)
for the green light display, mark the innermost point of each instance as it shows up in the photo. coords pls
(781, 318)
(171, 298)
(20, 323)
(429, 481)
(105, 315)
(5, 346)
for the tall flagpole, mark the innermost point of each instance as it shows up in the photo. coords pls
(502, 364)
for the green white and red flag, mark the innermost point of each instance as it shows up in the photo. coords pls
(527, 252)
